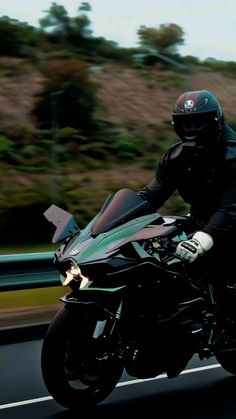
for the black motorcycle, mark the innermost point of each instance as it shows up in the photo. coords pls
(134, 305)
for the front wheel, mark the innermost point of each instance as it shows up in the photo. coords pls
(80, 365)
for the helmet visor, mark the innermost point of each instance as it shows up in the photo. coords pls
(194, 127)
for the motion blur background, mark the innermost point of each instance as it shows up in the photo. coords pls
(86, 93)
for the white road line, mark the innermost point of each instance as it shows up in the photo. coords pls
(24, 402)
(125, 383)
(191, 370)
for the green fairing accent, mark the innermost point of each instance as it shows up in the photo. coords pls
(183, 236)
(114, 236)
(140, 250)
(211, 290)
(87, 288)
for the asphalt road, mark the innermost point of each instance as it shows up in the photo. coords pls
(203, 391)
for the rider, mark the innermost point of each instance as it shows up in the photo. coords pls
(202, 168)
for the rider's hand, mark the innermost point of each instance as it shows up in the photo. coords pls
(190, 249)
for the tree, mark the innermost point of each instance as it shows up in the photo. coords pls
(57, 18)
(165, 39)
(85, 7)
(15, 36)
(68, 30)
(66, 81)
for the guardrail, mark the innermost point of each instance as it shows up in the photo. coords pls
(28, 270)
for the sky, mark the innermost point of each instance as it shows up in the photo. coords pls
(209, 25)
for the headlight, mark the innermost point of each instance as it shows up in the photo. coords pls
(73, 272)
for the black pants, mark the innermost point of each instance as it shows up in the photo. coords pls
(219, 263)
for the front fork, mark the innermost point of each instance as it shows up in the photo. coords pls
(108, 331)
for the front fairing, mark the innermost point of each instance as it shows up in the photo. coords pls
(85, 248)
(123, 214)
(98, 251)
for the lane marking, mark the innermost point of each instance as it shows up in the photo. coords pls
(190, 371)
(125, 383)
(24, 402)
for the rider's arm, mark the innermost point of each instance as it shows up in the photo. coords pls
(162, 185)
(222, 223)
(221, 227)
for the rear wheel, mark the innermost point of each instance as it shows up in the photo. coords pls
(227, 356)
(226, 344)
(227, 360)
(79, 363)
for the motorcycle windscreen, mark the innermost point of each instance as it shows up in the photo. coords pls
(63, 221)
(124, 206)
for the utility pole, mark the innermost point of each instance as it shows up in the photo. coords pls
(55, 177)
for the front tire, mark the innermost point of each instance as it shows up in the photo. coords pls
(78, 367)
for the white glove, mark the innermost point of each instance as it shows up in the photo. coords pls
(190, 249)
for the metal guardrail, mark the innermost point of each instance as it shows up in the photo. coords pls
(28, 270)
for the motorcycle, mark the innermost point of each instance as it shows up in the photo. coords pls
(132, 303)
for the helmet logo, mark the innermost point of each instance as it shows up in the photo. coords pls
(189, 104)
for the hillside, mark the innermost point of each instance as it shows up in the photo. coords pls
(127, 96)
(147, 98)
(137, 101)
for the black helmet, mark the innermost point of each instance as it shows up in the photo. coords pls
(197, 117)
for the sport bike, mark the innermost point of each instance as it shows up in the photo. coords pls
(133, 305)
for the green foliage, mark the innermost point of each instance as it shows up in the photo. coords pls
(166, 79)
(190, 59)
(68, 97)
(56, 17)
(109, 50)
(232, 123)
(97, 150)
(7, 151)
(66, 30)
(15, 36)
(164, 39)
(127, 147)
(64, 53)
(226, 68)
(69, 132)
(70, 155)
(33, 158)
(85, 7)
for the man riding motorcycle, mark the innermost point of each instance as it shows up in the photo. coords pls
(202, 168)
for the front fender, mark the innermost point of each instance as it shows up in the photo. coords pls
(102, 302)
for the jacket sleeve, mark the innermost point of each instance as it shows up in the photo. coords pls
(161, 186)
(222, 224)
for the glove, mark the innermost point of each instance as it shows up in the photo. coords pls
(190, 249)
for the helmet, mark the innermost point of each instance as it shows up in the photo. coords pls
(198, 118)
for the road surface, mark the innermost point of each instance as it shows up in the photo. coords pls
(203, 391)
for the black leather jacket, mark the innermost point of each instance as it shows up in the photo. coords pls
(205, 180)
